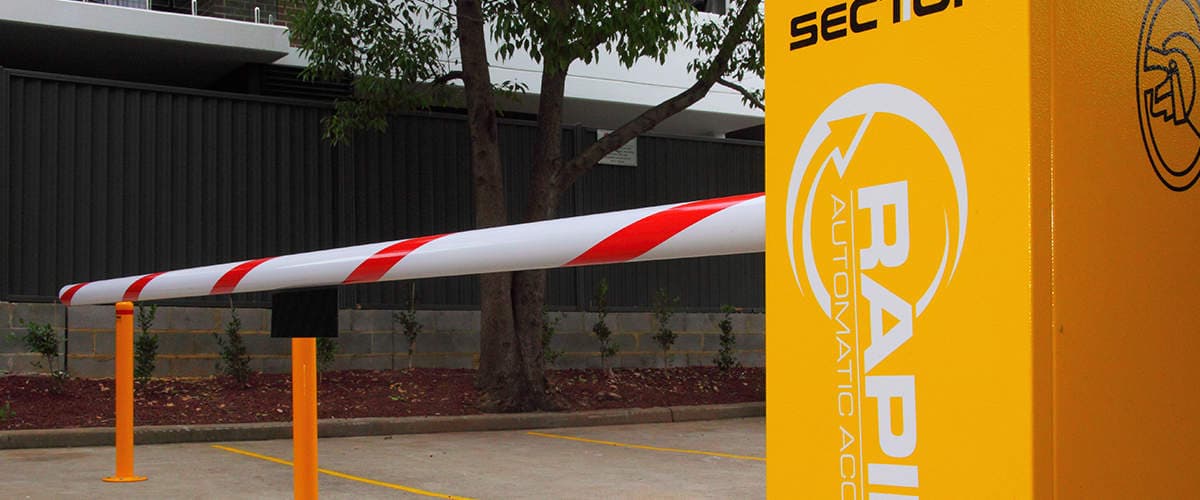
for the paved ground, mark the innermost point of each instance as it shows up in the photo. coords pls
(708, 459)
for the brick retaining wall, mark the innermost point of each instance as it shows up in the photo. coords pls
(368, 339)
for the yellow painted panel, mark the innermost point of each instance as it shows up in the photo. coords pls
(899, 250)
(1126, 237)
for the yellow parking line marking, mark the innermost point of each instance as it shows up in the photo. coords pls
(644, 447)
(343, 475)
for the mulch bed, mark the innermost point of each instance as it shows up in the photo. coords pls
(358, 393)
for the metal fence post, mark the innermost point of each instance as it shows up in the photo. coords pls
(124, 395)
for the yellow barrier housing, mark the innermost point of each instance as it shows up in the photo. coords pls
(982, 235)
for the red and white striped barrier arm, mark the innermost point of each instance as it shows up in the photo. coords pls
(720, 226)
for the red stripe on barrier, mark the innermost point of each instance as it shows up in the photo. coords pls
(135, 289)
(379, 264)
(229, 281)
(70, 293)
(642, 236)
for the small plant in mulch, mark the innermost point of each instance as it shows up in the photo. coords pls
(234, 361)
(608, 345)
(41, 339)
(726, 359)
(408, 322)
(145, 346)
(326, 352)
(664, 309)
(6, 412)
(549, 329)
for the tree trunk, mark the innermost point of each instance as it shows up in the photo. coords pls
(529, 287)
(524, 366)
(495, 375)
(511, 371)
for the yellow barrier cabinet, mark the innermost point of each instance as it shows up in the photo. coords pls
(983, 236)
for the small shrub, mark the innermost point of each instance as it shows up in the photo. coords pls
(549, 328)
(145, 346)
(234, 360)
(409, 324)
(41, 339)
(608, 347)
(726, 359)
(326, 351)
(6, 412)
(664, 308)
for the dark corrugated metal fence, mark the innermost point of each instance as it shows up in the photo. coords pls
(105, 179)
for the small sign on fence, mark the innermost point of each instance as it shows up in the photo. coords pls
(625, 156)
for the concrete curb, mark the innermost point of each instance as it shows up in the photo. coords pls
(163, 434)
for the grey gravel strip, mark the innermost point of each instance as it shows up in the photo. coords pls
(347, 427)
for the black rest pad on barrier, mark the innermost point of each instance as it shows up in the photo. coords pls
(304, 313)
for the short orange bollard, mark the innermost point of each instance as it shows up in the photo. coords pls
(124, 395)
(304, 418)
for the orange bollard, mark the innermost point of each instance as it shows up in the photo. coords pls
(304, 418)
(124, 395)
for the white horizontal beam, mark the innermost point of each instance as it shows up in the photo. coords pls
(720, 226)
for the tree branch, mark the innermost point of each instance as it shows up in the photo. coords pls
(746, 94)
(588, 158)
(447, 78)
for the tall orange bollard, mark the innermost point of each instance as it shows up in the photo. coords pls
(304, 418)
(124, 395)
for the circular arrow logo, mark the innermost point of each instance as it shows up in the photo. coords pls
(878, 187)
(1168, 52)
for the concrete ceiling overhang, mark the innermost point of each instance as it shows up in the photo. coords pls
(102, 41)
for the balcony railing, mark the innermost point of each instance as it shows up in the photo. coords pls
(251, 11)
(272, 12)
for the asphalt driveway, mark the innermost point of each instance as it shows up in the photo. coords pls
(705, 459)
